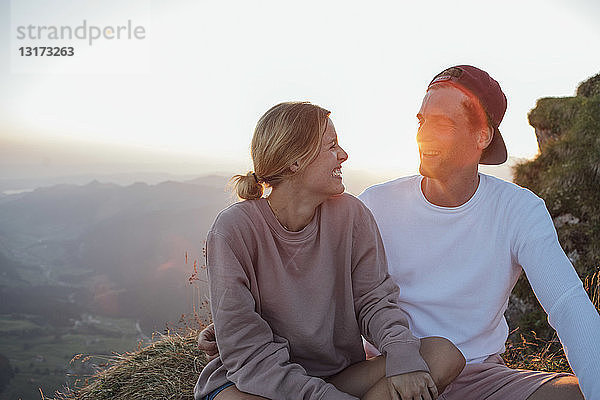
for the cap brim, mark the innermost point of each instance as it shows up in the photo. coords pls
(495, 153)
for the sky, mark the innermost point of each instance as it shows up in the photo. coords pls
(185, 98)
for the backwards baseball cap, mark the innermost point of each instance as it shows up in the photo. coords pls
(480, 84)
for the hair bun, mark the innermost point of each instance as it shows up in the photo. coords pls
(248, 187)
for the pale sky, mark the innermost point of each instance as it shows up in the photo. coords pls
(207, 70)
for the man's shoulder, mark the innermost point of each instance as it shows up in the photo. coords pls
(508, 191)
(382, 189)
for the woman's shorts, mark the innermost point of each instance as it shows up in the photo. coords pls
(218, 390)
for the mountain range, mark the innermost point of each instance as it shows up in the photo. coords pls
(116, 250)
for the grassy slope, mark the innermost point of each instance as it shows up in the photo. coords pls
(166, 369)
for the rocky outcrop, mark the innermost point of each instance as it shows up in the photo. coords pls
(589, 88)
(552, 116)
(566, 174)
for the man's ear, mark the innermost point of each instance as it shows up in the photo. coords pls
(485, 137)
(294, 167)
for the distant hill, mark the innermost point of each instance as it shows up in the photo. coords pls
(125, 245)
(15, 184)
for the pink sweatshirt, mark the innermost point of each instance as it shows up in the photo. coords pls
(289, 307)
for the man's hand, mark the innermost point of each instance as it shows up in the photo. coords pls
(412, 386)
(208, 343)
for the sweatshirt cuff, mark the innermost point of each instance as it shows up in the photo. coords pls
(403, 357)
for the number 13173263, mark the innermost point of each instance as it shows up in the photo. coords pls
(46, 51)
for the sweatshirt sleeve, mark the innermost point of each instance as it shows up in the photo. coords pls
(560, 292)
(257, 361)
(381, 320)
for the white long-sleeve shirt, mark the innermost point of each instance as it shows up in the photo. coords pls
(456, 267)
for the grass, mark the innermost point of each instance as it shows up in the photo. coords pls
(534, 353)
(10, 325)
(165, 369)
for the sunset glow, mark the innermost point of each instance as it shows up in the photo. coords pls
(214, 69)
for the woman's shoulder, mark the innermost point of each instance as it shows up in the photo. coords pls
(235, 216)
(348, 206)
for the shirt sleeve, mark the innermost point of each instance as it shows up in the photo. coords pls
(257, 361)
(381, 320)
(560, 292)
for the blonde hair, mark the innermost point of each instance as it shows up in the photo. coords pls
(288, 132)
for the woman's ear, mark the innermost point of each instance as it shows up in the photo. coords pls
(294, 167)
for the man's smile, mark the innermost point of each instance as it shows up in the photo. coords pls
(430, 153)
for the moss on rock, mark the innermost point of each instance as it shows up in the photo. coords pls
(590, 87)
(566, 174)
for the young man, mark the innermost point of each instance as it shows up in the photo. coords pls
(457, 240)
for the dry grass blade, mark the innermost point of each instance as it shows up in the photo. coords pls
(538, 354)
(166, 369)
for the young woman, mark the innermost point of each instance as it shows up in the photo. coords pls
(297, 277)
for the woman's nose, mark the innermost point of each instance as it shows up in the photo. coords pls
(342, 155)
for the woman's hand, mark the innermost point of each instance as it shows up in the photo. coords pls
(207, 342)
(412, 386)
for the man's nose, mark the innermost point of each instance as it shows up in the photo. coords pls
(423, 134)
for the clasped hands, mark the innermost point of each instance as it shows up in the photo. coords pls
(417, 385)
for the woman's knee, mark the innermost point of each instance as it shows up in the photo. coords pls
(358, 378)
(379, 391)
(444, 359)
